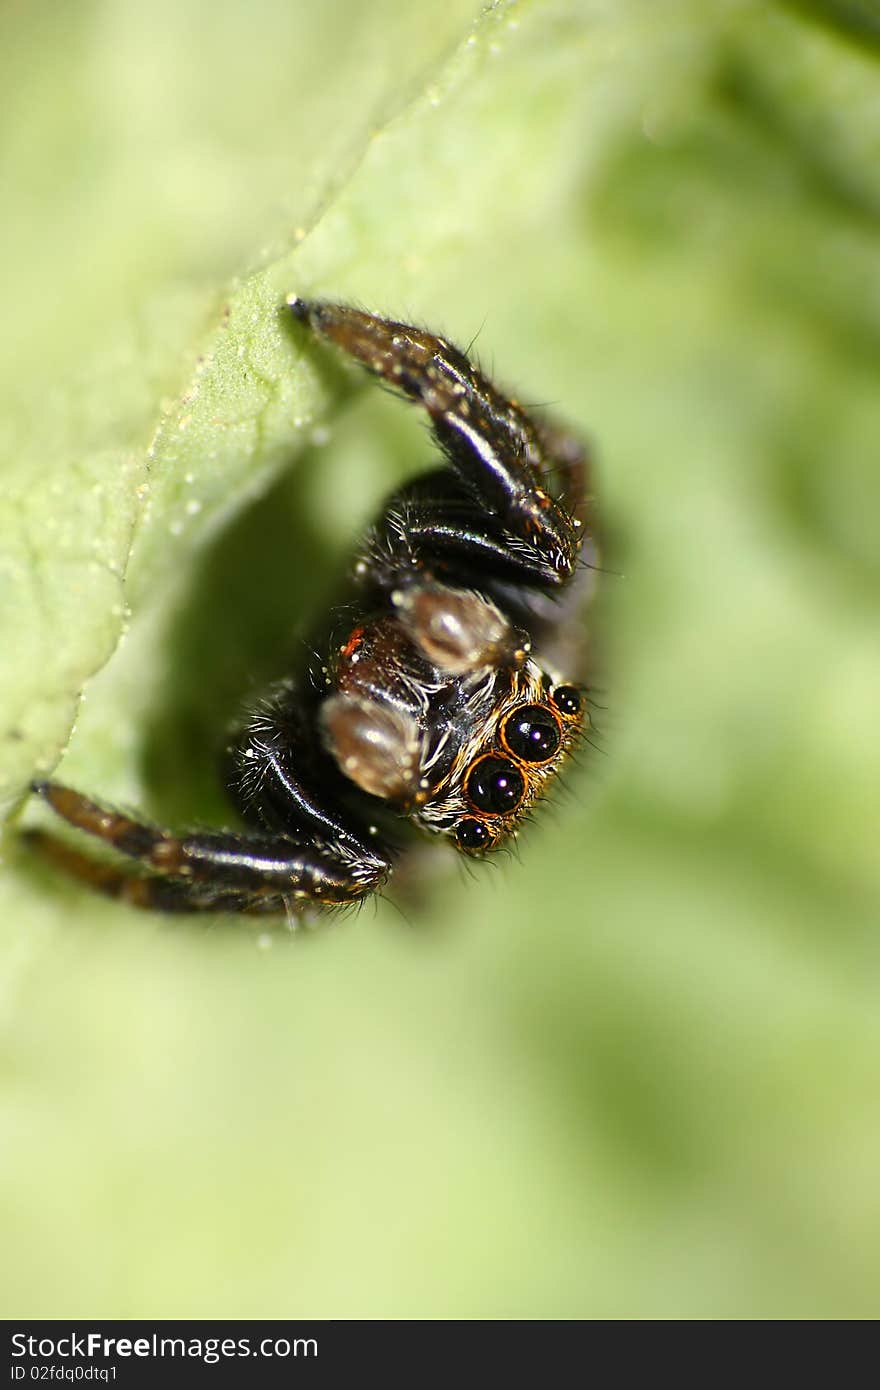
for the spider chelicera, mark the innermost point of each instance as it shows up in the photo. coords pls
(438, 696)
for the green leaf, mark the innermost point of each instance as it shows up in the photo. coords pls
(634, 1075)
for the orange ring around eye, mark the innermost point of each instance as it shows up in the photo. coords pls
(532, 734)
(473, 835)
(495, 785)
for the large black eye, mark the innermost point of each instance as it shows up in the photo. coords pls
(472, 834)
(567, 700)
(495, 785)
(532, 734)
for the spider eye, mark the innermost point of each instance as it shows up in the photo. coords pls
(532, 734)
(567, 700)
(472, 834)
(496, 786)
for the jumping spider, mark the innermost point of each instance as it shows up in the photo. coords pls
(436, 698)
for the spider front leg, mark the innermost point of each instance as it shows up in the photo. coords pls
(152, 892)
(570, 462)
(210, 870)
(500, 455)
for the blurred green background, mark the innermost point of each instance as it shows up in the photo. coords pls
(635, 1075)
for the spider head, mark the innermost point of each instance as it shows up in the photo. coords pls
(518, 745)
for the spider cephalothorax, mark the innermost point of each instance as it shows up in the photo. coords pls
(436, 699)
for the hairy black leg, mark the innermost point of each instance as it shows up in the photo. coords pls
(280, 777)
(279, 865)
(569, 460)
(434, 525)
(154, 893)
(492, 443)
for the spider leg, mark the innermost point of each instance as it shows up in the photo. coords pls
(434, 525)
(570, 460)
(280, 866)
(281, 778)
(155, 893)
(492, 444)
(431, 528)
